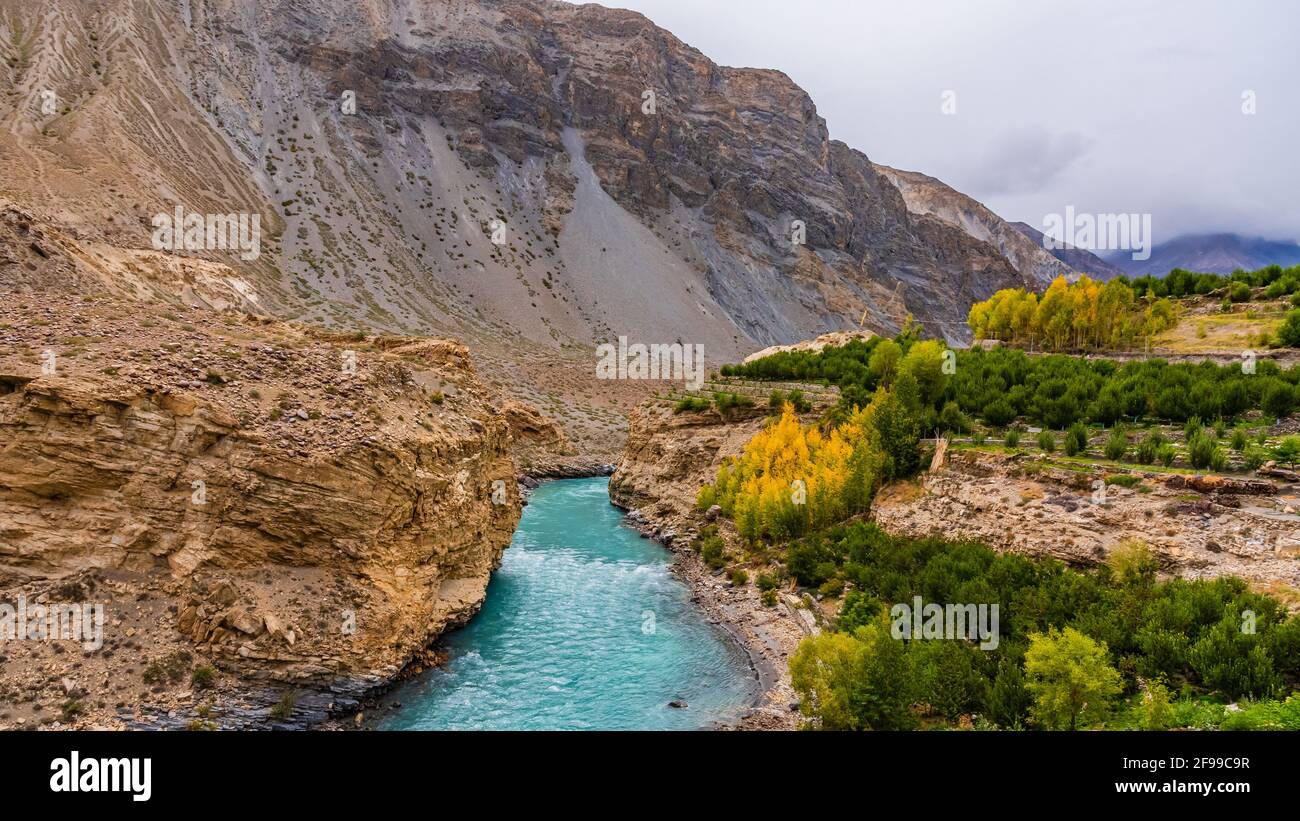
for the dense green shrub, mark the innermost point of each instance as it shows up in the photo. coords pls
(727, 402)
(691, 404)
(951, 419)
(1279, 397)
(859, 681)
(1148, 449)
(1055, 391)
(1288, 334)
(1288, 451)
(796, 398)
(1276, 280)
(1047, 441)
(1239, 440)
(1117, 444)
(712, 552)
(1254, 456)
(1076, 439)
(1204, 452)
(1266, 715)
(203, 677)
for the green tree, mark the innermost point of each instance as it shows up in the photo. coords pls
(883, 692)
(898, 421)
(862, 681)
(924, 363)
(1009, 702)
(1239, 440)
(1117, 444)
(1288, 451)
(1279, 398)
(1149, 448)
(1047, 441)
(859, 609)
(1288, 334)
(822, 671)
(1157, 713)
(951, 419)
(950, 676)
(1204, 452)
(884, 360)
(1069, 677)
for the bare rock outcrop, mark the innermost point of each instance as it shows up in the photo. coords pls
(289, 509)
(669, 456)
(530, 112)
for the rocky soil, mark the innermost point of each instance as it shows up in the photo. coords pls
(301, 512)
(1198, 526)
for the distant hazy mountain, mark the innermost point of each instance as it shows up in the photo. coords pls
(1210, 253)
(1085, 262)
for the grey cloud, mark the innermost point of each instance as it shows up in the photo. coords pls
(1110, 105)
(1025, 162)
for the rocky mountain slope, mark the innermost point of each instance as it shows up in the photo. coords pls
(1085, 262)
(637, 187)
(926, 195)
(283, 505)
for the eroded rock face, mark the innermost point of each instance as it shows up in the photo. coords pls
(926, 195)
(668, 215)
(669, 456)
(290, 508)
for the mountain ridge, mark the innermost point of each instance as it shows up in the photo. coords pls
(1212, 253)
(619, 222)
(1083, 261)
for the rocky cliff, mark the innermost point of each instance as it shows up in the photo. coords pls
(669, 456)
(279, 504)
(926, 195)
(534, 170)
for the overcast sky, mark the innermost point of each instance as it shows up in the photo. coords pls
(1108, 106)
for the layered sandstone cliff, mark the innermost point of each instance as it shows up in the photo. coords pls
(669, 456)
(282, 505)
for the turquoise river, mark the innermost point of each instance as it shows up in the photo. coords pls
(584, 628)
